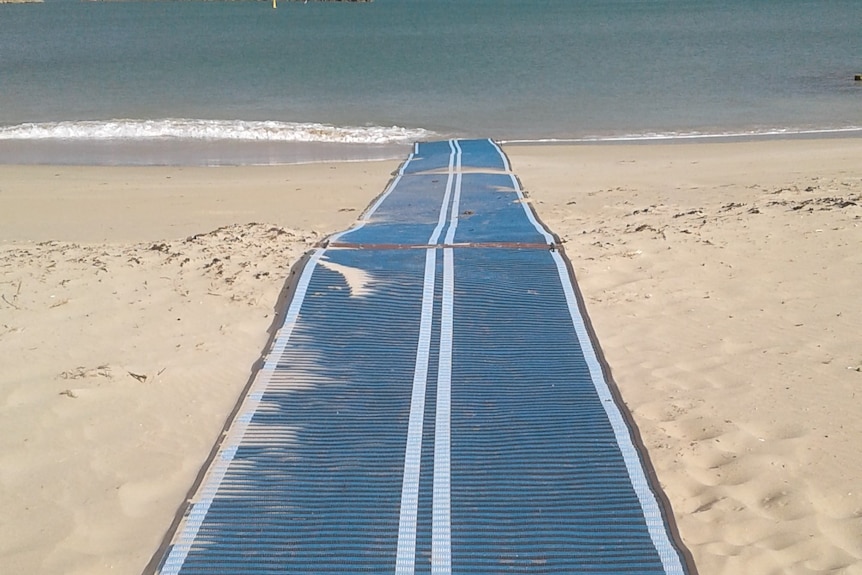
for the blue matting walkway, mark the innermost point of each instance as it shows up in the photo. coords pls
(433, 403)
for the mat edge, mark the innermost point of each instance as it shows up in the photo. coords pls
(665, 506)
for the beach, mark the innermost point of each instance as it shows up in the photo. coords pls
(722, 280)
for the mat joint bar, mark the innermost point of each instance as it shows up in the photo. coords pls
(507, 245)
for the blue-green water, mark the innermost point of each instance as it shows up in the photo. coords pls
(397, 70)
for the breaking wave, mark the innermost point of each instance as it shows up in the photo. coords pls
(193, 129)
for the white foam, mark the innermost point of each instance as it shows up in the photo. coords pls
(194, 129)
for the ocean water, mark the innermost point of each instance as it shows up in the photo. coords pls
(239, 82)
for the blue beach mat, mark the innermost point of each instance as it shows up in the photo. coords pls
(434, 403)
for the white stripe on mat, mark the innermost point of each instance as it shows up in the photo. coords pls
(405, 556)
(456, 197)
(441, 524)
(652, 512)
(444, 206)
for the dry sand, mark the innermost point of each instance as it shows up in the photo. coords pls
(723, 281)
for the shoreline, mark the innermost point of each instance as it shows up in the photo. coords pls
(721, 280)
(214, 152)
(695, 138)
(191, 153)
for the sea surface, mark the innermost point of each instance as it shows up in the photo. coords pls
(239, 82)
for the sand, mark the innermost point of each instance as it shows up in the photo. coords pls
(722, 280)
